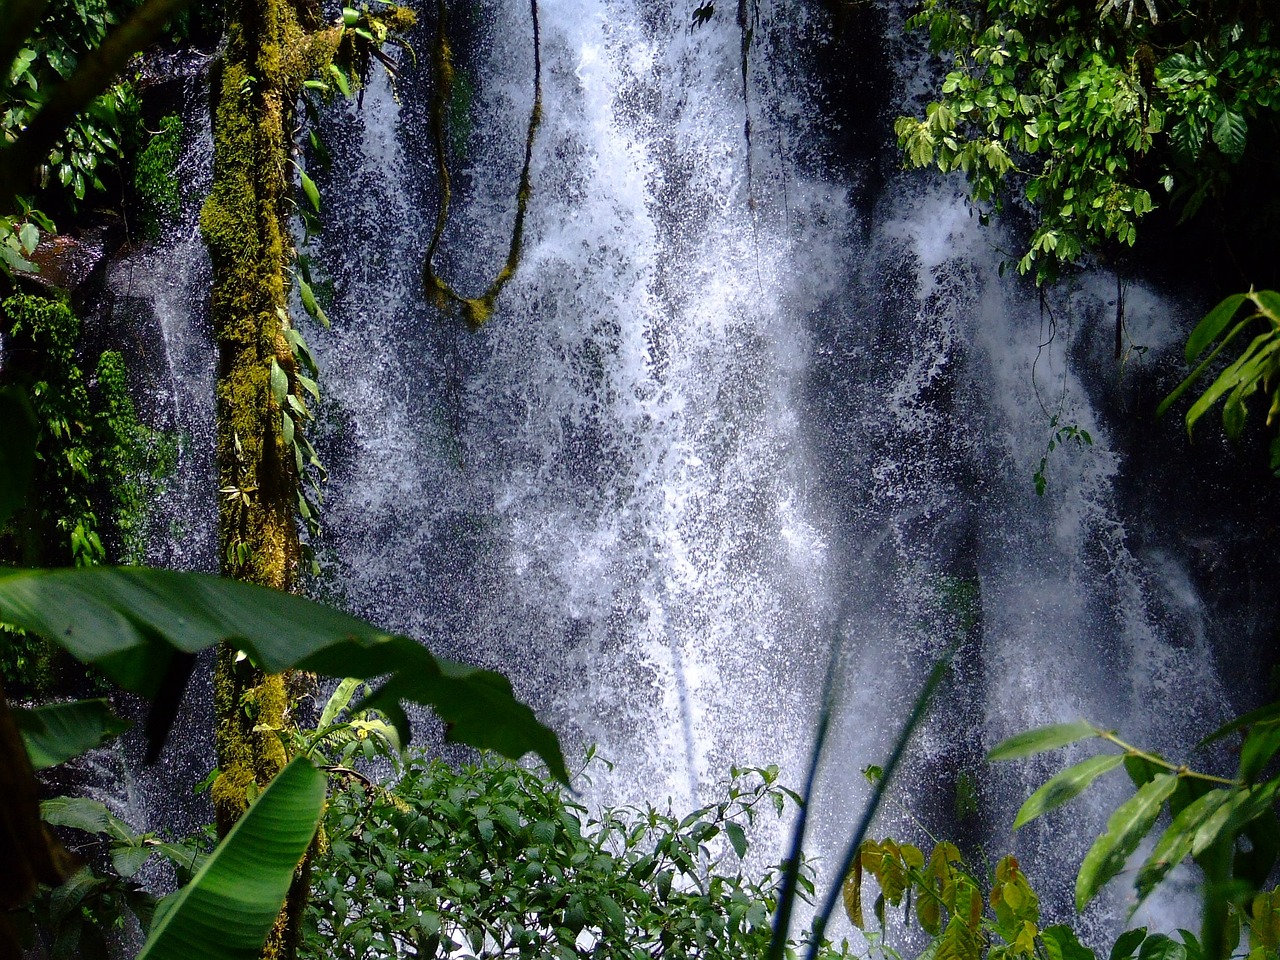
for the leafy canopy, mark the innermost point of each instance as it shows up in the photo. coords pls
(1094, 114)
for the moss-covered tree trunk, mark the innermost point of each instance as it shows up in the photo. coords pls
(272, 47)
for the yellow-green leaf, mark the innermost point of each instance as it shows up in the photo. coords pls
(309, 188)
(1041, 739)
(1067, 785)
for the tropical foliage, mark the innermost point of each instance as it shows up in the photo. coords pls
(1255, 369)
(1095, 114)
(1227, 826)
(496, 861)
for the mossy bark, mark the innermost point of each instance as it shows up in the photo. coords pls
(271, 49)
(273, 46)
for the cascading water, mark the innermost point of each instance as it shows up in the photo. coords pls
(156, 302)
(729, 415)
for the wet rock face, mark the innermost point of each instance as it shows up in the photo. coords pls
(66, 262)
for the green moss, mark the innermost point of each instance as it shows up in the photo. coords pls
(400, 19)
(267, 58)
(155, 175)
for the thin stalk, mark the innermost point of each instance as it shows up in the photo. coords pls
(791, 866)
(918, 712)
(1181, 770)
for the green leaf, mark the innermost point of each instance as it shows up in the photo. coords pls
(1127, 943)
(1041, 739)
(1061, 944)
(1212, 325)
(338, 702)
(81, 813)
(737, 837)
(1194, 375)
(1259, 746)
(279, 382)
(29, 237)
(1067, 785)
(340, 79)
(1230, 133)
(1176, 842)
(1262, 715)
(228, 909)
(309, 302)
(127, 860)
(129, 621)
(54, 734)
(1125, 829)
(1268, 302)
(309, 188)
(1158, 946)
(18, 441)
(1228, 379)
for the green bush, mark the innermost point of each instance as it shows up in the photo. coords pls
(1094, 114)
(495, 860)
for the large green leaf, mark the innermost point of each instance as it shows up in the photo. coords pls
(1067, 785)
(54, 734)
(1212, 325)
(132, 621)
(1230, 133)
(1125, 829)
(227, 910)
(82, 813)
(1041, 739)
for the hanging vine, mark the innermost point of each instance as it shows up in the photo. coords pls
(478, 309)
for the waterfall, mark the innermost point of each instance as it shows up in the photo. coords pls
(746, 406)
(156, 303)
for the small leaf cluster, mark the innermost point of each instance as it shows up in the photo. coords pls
(996, 918)
(497, 861)
(1256, 368)
(82, 917)
(1228, 827)
(1060, 434)
(964, 921)
(19, 237)
(1086, 117)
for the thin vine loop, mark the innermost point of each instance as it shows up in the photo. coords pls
(439, 291)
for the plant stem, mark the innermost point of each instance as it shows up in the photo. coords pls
(1181, 770)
